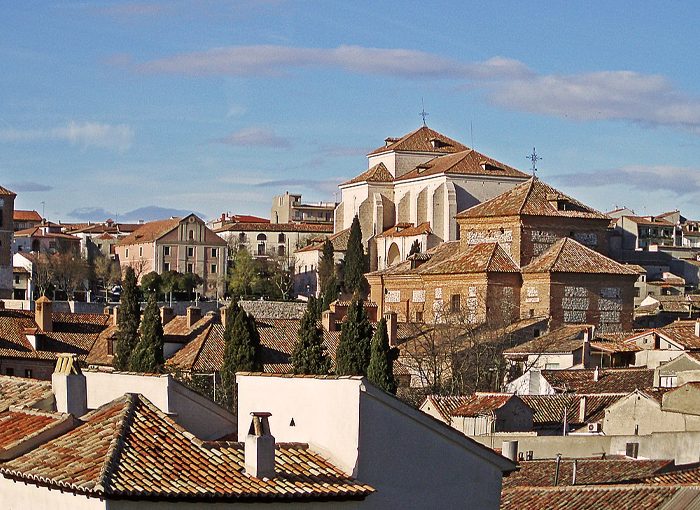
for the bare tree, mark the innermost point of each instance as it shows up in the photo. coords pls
(70, 272)
(43, 272)
(108, 271)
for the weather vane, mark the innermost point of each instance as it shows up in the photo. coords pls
(423, 113)
(534, 158)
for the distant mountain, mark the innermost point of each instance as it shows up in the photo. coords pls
(147, 213)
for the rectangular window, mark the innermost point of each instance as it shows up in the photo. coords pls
(419, 316)
(214, 252)
(166, 266)
(140, 251)
(455, 303)
(110, 346)
(190, 251)
(27, 372)
(213, 269)
(126, 254)
(17, 279)
(166, 250)
(190, 268)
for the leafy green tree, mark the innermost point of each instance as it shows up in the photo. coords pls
(151, 282)
(355, 260)
(330, 293)
(352, 356)
(241, 350)
(148, 353)
(128, 319)
(415, 248)
(244, 277)
(169, 283)
(380, 371)
(188, 282)
(309, 355)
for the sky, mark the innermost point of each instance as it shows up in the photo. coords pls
(140, 110)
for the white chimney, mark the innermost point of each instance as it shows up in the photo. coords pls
(582, 410)
(260, 447)
(697, 327)
(510, 450)
(596, 374)
(166, 314)
(69, 386)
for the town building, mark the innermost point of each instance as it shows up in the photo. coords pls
(7, 207)
(47, 237)
(100, 238)
(306, 262)
(422, 177)
(184, 245)
(289, 208)
(25, 219)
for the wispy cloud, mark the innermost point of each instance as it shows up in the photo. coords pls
(84, 134)
(147, 213)
(678, 180)
(645, 99)
(255, 137)
(28, 186)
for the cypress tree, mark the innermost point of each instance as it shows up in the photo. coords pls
(326, 265)
(148, 353)
(352, 356)
(128, 317)
(241, 350)
(381, 362)
(355, 260)
(309, 356)
(330, 293)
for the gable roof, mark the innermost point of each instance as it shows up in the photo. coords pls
(479, 404)
(7, 192)
(569, 256)
(22, 391)
(339, 240)
(21, 215)
(466, 162)
(130, 449)
(20, 424)
(406, 230)
(445, 404)
(562, 340)
(377, 173)
(550, 409)
(420, 140)
(610, 380)
(149, 232)
(532, 198)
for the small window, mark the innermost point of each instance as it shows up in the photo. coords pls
(551, 366)
(190, 235)
(166, 266)
(110, 346)
(455, 303)
(166, 250)
(213, 269)
(190, 268)
(27, 372)
(126, 253)
(9, 371)
(280, 251)
(242, 237)
(281, 238)
(214, 252)
(190, 251)
(140, 251)
(419, 316)
(262, 237)
(17, 279)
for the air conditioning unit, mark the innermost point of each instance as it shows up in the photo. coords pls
(594, 427)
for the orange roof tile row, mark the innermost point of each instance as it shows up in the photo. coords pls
(19, 424)
(20, 390)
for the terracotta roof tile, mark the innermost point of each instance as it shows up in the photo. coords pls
(532, 198)
(149, 232)
(339, 240)
(420, 140)
(681, 476)
(377, 173)
(550, 409)
(482, 403)
(466, 162)
(407, 230)
(611, 380)
(7, 192)
(130, 449)
(22, 391)
(569, 256)
(20, 215)
(446, 404)
(20, 424)
(276, 227)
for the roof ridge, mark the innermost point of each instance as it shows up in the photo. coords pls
(531, 182)
(116, 445)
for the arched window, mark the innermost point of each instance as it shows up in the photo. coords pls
(191, 235)
(262, 237)
(281, 238)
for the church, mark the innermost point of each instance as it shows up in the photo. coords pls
(414, 187)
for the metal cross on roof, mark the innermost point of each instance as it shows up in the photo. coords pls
(534, 158)
(423, 113)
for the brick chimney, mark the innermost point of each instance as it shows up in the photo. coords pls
(43, 314)
(166, 314)
(193, 315)
(69, 386)
(392, 325)
(260, 447)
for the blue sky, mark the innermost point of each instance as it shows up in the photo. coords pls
(209, 106)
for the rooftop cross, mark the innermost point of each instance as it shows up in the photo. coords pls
(423, 113)
(534, 158)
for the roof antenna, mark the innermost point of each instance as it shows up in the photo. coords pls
(423, 113)
(534, 158)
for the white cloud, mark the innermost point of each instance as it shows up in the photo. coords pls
(255, 137)
(85, 134)
(675, 179)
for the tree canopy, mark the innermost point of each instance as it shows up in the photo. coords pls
(355, 261)
(148, 353)
(128, 319)
(353, 354)
(380, 371)
(309, 355)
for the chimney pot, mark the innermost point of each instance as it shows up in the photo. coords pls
(260, 447)
(166, 314)
(193, 315)
(43, 314)
(392, 325)
(596, 374)
(327, 320)
(697, 328)
(582, 410)
(510, 450)
(115, 316)
(69, 386)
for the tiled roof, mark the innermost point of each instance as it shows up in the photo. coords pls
(434, 256)
(149, 232)
(532, 198)
(20, 215)
(681, 476)
(467, 162)
(276, 227)
(569, 256)
(38, 232)
(540, 473)
(598, 498)
(649, 221)
(445, 404)
(7, 192)
(563, 340)
(682, 333)
(99, 353)
(72, 332)
(274, 309)
(128, 448)
(406, 230)
(482, 403)
(377, 173)
(22, 391)
(177, 330)
(19, 424)
(549, 409)
(339, 240)
(611, 380)
(420, 140)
